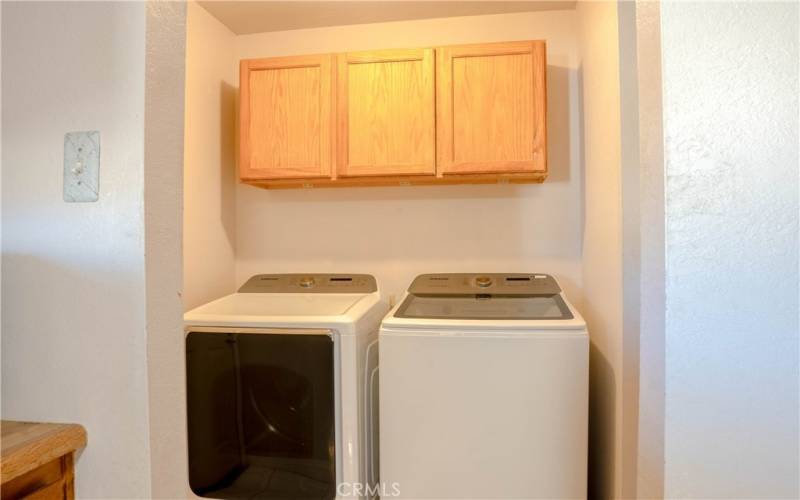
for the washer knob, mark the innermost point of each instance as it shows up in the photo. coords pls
(483, 281)
(306, 281)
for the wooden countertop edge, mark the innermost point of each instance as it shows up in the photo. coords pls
(56, 441)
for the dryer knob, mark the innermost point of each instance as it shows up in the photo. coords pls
(483, 281)
(307, 281)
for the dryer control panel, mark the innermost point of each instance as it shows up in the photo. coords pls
(310, 283)
(479, 284)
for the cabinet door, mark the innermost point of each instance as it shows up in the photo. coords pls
(386, 113)
(286, 117)
(491, 108)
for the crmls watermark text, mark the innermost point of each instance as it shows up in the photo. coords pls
(382, 490)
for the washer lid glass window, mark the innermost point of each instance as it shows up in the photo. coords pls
(480, 306)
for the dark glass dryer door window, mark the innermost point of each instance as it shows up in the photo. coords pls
(261, 415)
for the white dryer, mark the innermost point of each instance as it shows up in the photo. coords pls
(279, 401)
(484, 390)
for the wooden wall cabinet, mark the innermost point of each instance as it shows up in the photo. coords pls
(459, 114)
(491, 108)
(386, 113)
(286, 118)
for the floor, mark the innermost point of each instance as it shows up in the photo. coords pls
(267, 477)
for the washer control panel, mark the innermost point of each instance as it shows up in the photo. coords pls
(488, 283)
(310, 283)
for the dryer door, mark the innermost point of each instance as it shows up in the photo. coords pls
(261, 414)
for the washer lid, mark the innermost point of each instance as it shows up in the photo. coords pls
(266, 305)
(488, 283)
(294, 301)
(520, 296)
(484, 307)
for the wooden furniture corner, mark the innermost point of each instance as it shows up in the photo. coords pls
(37, 459)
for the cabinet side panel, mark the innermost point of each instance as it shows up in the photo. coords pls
(244, 119)
(539, 106)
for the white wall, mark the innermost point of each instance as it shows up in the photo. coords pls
(210, 177)
(730, 75)
(396, 233)
(647, 305)
(602, 242)
(73, 311)
(165, 63)
(630, 198)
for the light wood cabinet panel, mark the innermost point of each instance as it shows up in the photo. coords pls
(386, 113)
(450, 115)
(286, 117)
(491, 108)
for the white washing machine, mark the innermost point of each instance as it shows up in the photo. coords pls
(484, 390)
(281, 387)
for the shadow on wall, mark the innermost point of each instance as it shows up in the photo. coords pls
(228, 172)
(602, 398)
(602, 380)
(558, 123)
(581, 155)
